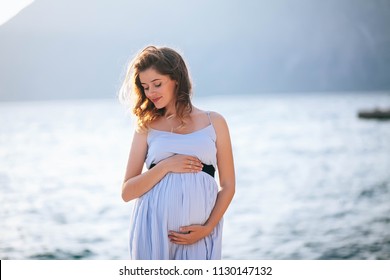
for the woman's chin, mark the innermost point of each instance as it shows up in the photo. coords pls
(158, 106)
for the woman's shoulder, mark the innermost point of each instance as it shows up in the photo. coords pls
(216, 117)
(213, 116)
(217, 120)
(220, 125)
(201, 112)
(141, 133)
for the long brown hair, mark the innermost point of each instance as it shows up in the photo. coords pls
(166, 61)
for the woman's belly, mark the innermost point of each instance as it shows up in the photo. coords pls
(181, 199)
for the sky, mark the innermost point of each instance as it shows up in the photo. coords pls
(79, 49)
(10, 8)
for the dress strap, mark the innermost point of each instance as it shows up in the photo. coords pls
(208, 114)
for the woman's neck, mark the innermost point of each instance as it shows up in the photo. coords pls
(170, 110)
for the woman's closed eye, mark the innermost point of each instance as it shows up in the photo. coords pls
(156, 86)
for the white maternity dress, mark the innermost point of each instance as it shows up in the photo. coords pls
(179, 199)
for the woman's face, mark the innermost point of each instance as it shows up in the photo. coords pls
(158, 88)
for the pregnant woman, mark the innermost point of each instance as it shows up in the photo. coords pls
(178, 205)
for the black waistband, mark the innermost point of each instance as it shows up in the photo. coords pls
(209, 169)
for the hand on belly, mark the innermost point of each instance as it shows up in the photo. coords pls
(189, 234)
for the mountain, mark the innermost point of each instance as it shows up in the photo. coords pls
(79, 49)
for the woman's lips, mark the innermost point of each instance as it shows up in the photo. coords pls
(155, 100)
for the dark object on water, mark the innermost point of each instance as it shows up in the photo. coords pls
(375, 114)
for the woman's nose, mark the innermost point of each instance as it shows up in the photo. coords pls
(152, 90)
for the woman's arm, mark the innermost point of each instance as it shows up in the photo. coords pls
(226, 171)
(136, 183)
(191, 234)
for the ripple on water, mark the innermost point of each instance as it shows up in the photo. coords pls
(379, 249)
(63, 255)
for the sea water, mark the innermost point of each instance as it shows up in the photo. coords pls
(313, 180)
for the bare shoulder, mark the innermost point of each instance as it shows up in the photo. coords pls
(140, 135)
(220, 126)
(223, 141)
(217, 119)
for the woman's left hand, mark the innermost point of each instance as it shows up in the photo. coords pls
(189, 234)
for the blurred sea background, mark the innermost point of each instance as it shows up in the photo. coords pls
(313, 179)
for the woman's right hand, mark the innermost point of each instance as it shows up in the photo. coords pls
(182, 164)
